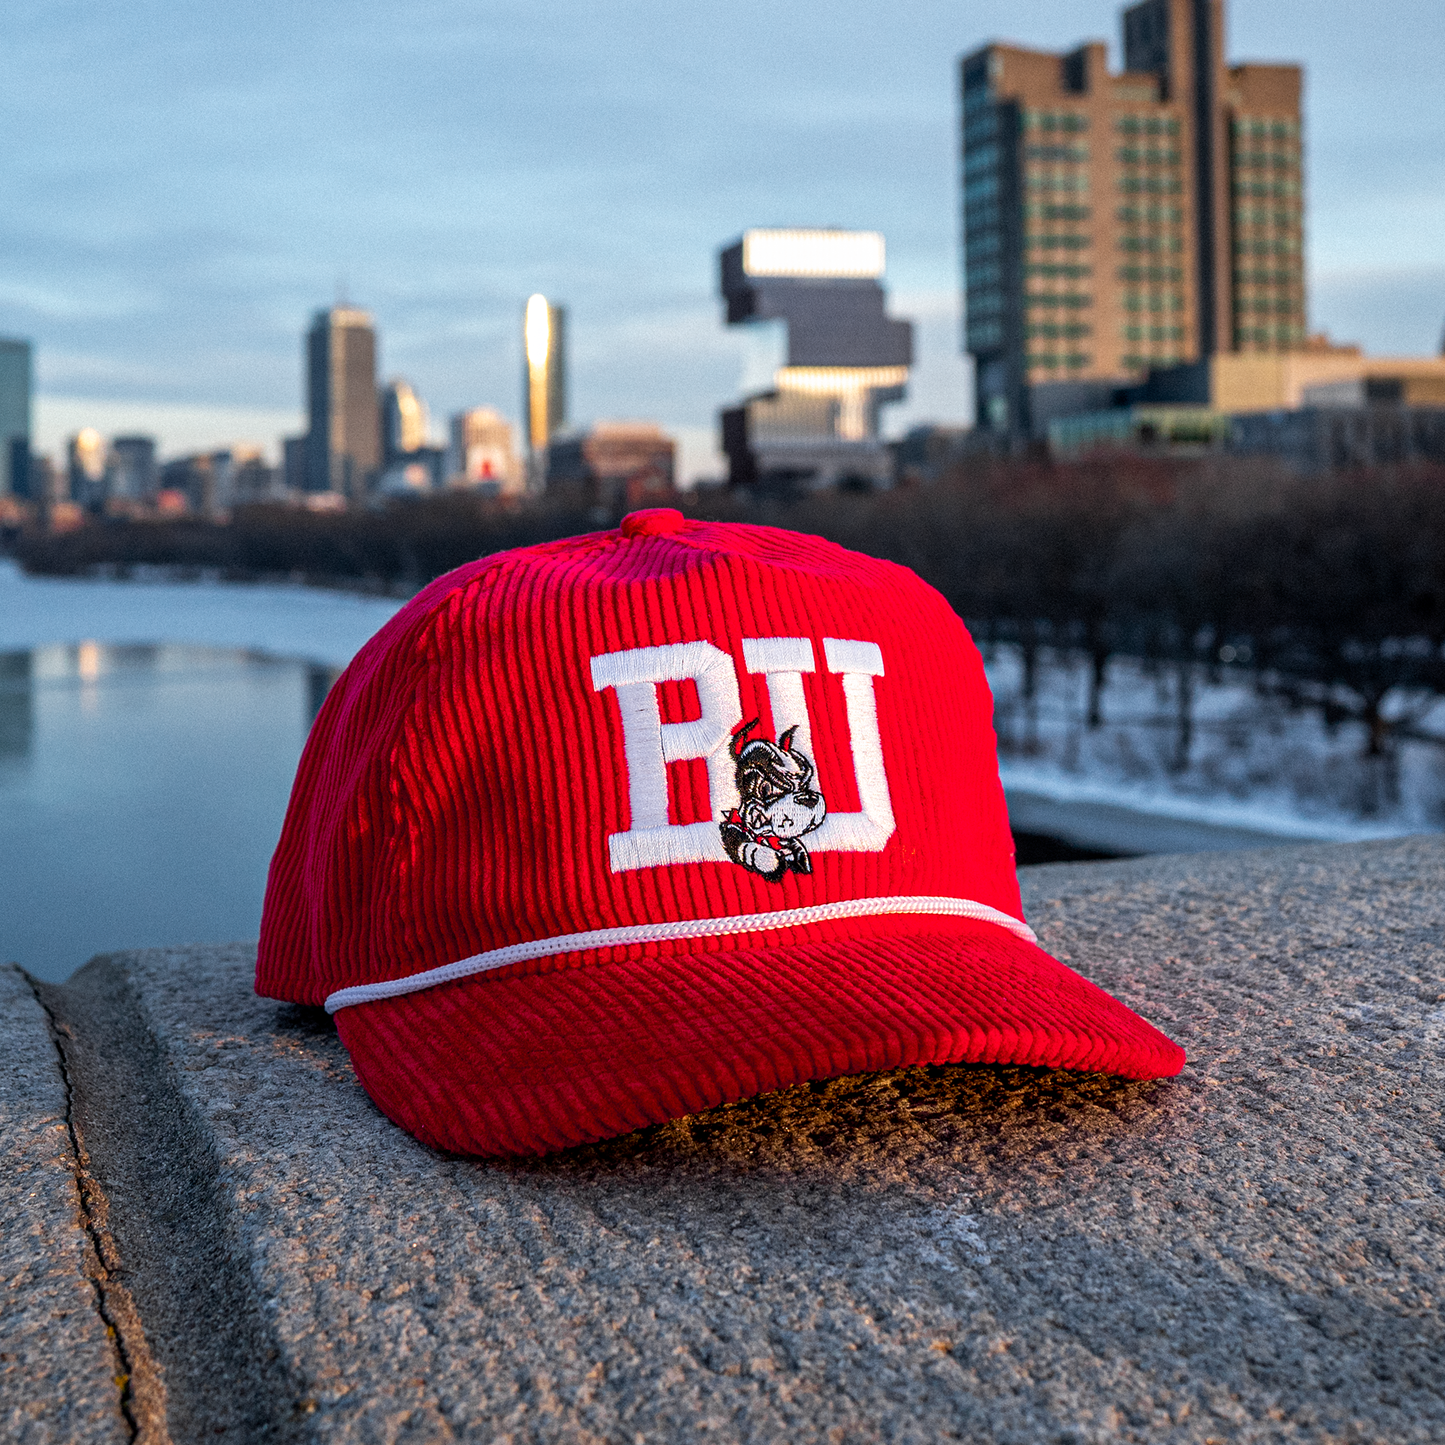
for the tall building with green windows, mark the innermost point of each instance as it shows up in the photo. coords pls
(1115, 224)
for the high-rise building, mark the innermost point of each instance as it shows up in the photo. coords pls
(403, 420)
(544, 381)
(343, 449)
(294, 454)
(823, 356)
(87, 458)
(14, 417)
(481, 454)
(133, 472)
(1116, 224)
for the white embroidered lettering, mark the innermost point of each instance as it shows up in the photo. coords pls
(782, 661)
(858, 663)
(650, 744)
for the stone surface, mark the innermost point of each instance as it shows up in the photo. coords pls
(58, 1363)
(1250, 1252)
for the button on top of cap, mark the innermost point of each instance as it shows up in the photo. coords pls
(652, 522)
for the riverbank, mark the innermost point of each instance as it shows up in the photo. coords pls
(309, 623)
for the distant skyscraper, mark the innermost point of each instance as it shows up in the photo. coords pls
(403, 420)
(133, 473)
(344, 441)
(481, 454)
(87, 457)
(544, 333)
(14, 417)
(823, 357)
(294, 453)
(1114, 224)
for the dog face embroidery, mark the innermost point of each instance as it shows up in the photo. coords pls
(779, 805)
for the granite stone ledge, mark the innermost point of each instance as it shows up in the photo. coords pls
(60, 1370)
(1250, 1252)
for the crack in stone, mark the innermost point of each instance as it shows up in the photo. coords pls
(105, 1264)
(203, 1357)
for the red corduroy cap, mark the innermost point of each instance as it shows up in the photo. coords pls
(598, 833)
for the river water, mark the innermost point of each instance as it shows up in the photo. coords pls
(142, 789)
(143, 781)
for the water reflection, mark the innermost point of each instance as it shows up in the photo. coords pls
(17, 718)
(141, 793)
(318, 683)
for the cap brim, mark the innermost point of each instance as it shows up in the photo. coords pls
(531, 1063)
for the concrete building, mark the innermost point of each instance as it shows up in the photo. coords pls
(15, 374)
(1318, 409)
(49, 485)
(1118, 223)
(251, 479)
(207, 481)
(823, 357)
(544, 380)
(482, 455)
(619, 464)
(343, 451)
(413, 474)
(1243, 383)
(133, 472)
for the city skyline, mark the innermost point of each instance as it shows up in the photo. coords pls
(162, 268)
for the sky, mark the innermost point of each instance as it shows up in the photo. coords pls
(183, 183)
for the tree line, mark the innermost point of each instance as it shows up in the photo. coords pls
(1331, 588)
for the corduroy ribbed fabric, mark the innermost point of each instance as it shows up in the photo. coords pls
(552, 741)
(541, 1063)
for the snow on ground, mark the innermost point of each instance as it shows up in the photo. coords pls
(286, 621)
(1253, 762)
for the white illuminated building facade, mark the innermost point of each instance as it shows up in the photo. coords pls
(822, 357)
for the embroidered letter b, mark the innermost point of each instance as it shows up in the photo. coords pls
(650, 744)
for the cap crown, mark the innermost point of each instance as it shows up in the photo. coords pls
(620, 730)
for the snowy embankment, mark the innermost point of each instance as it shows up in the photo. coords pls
(1251, 760)
(302, 622)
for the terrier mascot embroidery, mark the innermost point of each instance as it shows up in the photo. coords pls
(779, 805)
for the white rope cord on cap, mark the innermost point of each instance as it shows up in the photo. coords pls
(686, 928)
